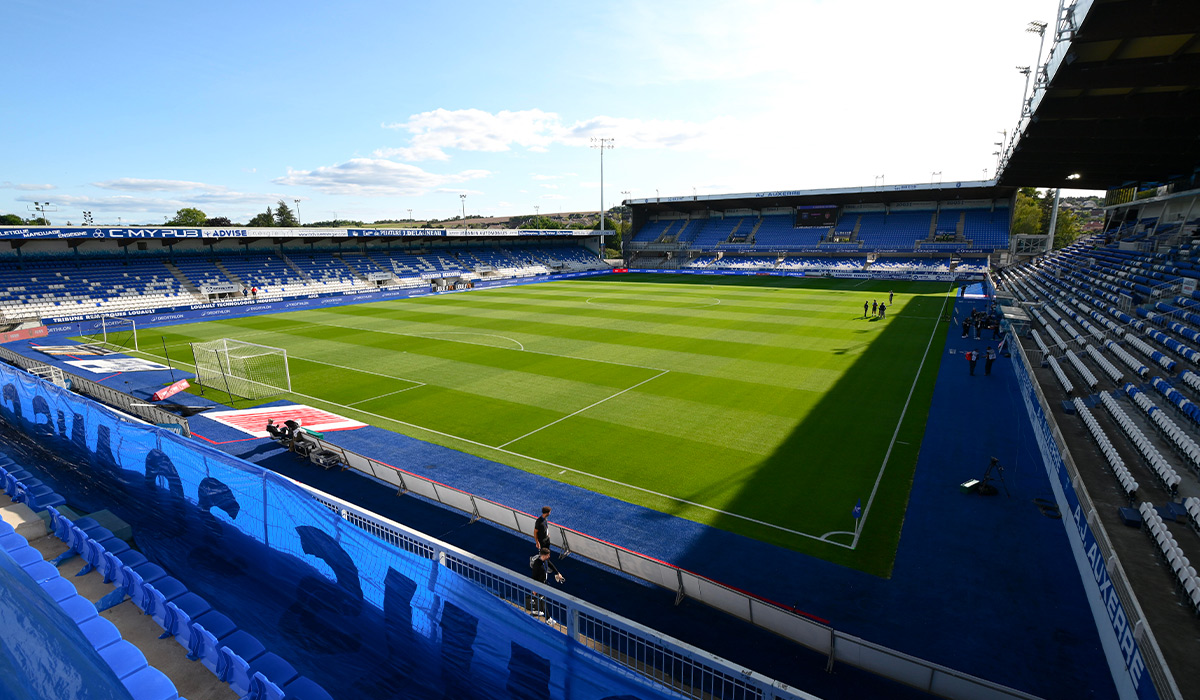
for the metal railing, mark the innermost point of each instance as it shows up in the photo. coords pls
(690, 671)
(104, 394)
(816, 636)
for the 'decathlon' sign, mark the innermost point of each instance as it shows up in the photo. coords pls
(166, 232)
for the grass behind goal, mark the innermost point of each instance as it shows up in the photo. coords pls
(761, 406)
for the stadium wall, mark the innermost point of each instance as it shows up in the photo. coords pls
(1135, 662)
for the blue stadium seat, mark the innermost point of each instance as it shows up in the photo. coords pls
(123, 658)
(150, 684)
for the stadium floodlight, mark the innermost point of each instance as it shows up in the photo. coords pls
(410, 215)
(41, 208)
(297, 210)
(1038, 28)
(1025, 71)
(463, 199)
(602, 144)
(937, 174)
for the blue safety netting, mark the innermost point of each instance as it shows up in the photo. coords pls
(358, 615)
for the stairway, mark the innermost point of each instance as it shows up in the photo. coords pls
(295, 268)
(232, 277)
(183, 280)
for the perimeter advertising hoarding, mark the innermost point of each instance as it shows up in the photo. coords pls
(238, 307)
(1125, 658)
(168, 232)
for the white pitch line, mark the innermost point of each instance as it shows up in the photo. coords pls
(866, 510)
(467, 342)
(715, 301)
(490, 335)
(531, 432)
(556, 466)
(390, 393)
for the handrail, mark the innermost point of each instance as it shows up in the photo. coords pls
(805, 630)
(693, 674)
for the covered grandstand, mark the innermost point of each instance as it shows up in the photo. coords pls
(929, 228)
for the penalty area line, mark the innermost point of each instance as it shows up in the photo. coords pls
(531, 432)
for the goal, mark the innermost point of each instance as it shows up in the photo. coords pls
(115, 333)
(243, 369)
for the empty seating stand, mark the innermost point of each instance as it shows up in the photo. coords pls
(1181, 568)
(206, 635)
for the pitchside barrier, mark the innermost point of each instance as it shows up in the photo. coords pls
(81, 324)
(837, 274)
(106, 395)
(836, 646)
(299, 535)
(1134, 657)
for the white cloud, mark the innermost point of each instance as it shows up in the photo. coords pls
(549, 186)
(432, 133)
(133, 184)
(374, 177)
(24, 187)
(553, 196)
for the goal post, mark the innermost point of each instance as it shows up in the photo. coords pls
(115, 332)
(248, 370)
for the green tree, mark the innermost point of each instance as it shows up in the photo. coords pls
(188, 216)
(11, 220)
(1027, 216)
(1066, 229)
(284, 215)
(219, 221)
(264, 220)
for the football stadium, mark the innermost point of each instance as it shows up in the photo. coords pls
(839, 442)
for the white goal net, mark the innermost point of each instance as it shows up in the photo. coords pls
(243, 369)
(115, 332)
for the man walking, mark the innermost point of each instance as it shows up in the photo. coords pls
(541, 534)
(539, 567)
(874, 307)
(966, 326)
(865, 307)
(988, 359)
(890, 295)
(972, 358)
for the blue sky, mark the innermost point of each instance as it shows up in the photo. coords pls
(365, 110)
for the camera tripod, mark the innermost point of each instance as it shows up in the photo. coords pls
(986, 488)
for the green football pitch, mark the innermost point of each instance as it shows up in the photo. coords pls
(768, 407)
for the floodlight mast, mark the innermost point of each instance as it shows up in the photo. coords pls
(1025, 71)
(602, 144)
(1038, 28)
(41, 208)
